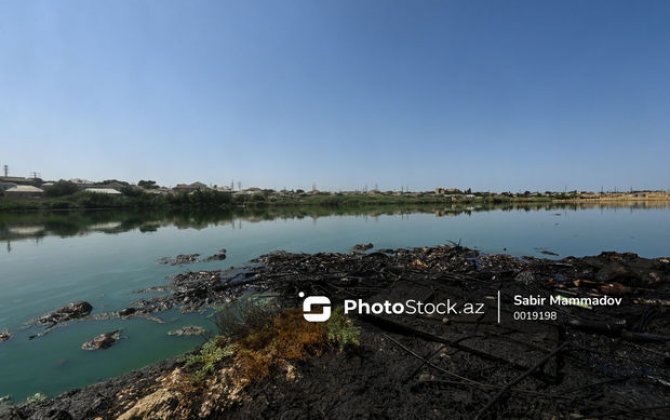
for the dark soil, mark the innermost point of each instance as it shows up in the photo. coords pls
(602, 362)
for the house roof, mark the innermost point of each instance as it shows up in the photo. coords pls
(81, 181)
(102, 191)
(24, 189)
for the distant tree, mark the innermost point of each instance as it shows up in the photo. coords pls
(61, 188)
(147, 184)
(36, 182)
(113, 181)
(131, 191)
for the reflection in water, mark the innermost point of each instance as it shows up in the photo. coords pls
(37, 225)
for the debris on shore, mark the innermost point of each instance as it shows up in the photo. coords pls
(180, 259)
(360, 248)
(187, 331)
(68, 312)
(183, 259)
(220, 255)
(102, 341)
(516, 355)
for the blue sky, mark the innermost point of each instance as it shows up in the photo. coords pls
(491, 95)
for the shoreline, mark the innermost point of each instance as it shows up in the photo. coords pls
(386, 360)
(267, 198)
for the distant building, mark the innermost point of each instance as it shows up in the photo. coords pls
(157, 191)
(24, 191)
(82, 182)
(190, 187)
(15, 179)
(448, 191)
(111, 191)
(116, 185)
(249, 191)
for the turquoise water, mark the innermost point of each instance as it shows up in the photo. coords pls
(47, 261)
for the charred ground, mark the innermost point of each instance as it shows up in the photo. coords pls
(599, 362)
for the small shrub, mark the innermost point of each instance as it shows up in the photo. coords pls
(212, 352)
(257, 338)
(247, 314)
(290, 338)
(342, 332)
(61, 188)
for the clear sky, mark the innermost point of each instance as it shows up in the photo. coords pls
(491, 95)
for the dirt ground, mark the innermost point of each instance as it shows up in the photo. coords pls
(588, 362)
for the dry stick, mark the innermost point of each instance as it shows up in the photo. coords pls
(425, 361)
(468, 382)
(519, 379)
(418, 356)
(491, 386)
(595, 384)
(400, 328)
(631, 410)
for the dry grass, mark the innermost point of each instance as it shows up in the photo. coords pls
(232, 362)
(287, 338)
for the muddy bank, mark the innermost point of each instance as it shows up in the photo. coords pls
(527, 358)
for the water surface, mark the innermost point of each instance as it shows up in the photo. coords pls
(48, 260)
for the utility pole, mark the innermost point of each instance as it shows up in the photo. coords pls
(34, 175)
(6, 168)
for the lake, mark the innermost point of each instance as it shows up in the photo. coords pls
(106, 258)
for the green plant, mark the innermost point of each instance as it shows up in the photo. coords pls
(212, 352)
(341, 332)
(61, 188)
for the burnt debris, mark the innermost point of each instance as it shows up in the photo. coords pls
(536, 345)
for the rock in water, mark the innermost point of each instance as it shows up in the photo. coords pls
(70, 311)
(180, 259)
(4, 336)
(103, 341)
(362, 247)
(127, 311)
(219, 256)
(188, 331)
